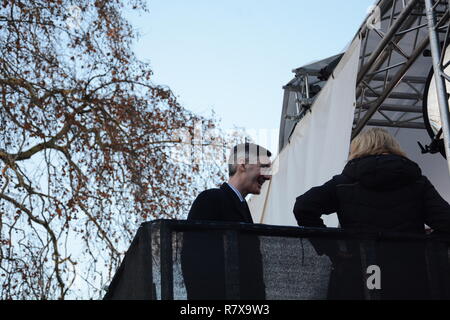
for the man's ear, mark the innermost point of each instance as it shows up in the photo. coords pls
(242, 166)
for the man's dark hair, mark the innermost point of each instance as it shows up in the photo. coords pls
(252, 154)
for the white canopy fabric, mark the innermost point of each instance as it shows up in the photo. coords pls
(318, 148)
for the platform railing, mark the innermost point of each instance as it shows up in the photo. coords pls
(151, 268)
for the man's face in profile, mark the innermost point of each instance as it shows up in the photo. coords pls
(257, 174)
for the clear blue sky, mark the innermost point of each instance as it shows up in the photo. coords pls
(233, 57)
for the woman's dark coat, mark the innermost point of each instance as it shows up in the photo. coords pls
(385, 192)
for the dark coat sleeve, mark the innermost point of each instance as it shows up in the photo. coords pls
(202, 255)
(207, 206)
(436, 209)
(310, 206)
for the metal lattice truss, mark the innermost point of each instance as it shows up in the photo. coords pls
(299, 93)
(395, 63)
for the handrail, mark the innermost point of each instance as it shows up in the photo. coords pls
(295, 232)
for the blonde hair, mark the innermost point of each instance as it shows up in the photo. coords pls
(374, 141)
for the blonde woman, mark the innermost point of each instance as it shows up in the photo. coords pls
(380, 188)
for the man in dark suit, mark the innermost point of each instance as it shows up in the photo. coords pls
(202, 257)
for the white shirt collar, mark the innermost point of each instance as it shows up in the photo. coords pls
(237, 192)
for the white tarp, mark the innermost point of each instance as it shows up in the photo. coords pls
(318, 148)
(434, 166)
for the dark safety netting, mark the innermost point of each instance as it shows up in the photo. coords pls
(179, 260)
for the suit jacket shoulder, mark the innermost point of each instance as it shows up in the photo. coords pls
(219, 205)
(207, 206)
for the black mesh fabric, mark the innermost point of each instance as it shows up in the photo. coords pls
(204, 261)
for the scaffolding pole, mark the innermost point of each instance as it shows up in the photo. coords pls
(441, 89)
